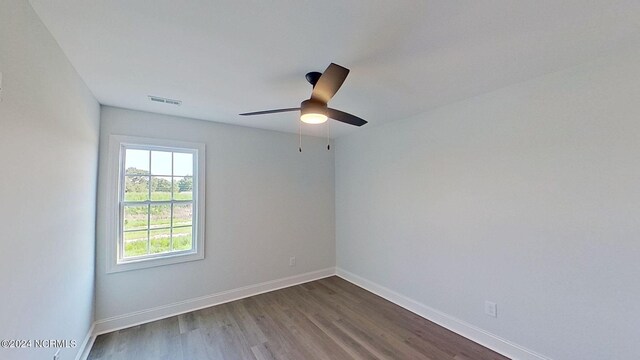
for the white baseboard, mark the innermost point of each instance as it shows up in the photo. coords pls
(85, 347)
(144, 316)
(474, 333)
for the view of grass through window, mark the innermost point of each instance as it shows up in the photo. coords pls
(157, 202)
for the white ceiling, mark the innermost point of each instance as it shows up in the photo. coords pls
(225, 57)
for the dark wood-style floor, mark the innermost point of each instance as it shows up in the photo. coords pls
(324, 319)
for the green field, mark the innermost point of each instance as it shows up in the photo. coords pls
(157, 196)
(159, 241)
(147, 228)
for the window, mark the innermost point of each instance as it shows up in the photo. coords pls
(157, 202)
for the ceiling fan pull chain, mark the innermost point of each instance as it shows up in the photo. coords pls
(328, 132)
(300, 135)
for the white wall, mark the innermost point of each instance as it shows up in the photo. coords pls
(528, 196)
(49, 124)
(265, 202)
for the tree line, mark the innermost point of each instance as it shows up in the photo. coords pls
(139, 182)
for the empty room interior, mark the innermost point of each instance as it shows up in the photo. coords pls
(285, 180)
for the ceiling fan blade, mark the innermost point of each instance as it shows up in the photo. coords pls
(345, 117)
(269, 111)
(329, 83)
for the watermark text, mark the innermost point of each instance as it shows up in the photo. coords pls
(37, 343)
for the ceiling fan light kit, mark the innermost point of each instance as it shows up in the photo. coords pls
(313, 112)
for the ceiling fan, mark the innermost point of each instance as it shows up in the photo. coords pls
(315, 109)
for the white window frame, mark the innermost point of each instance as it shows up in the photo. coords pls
(117, 144)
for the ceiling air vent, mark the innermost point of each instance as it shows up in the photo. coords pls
(165, 100)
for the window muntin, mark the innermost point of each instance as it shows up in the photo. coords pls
(158, 209)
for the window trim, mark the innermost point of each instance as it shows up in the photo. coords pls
(114, 209)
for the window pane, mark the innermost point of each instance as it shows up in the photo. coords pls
(136, 162)
(160, 216)
(136, 188)
(182, 164)
(182, 238)
(161, 188)
(182, 215)
(135, 243)
(135, 217)
(160, 163)
(160, 241)
(183, 188)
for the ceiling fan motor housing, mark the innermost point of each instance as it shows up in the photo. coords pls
(313, 77)
(313, 107)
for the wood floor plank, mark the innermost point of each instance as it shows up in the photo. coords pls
(370, 326)
(375, 319)
(419, 327)
(319, 315)
(324, 319)
(277, 334)
(221, 334)
(193, 346)
(306, 336)
(247, 324)
(160, 340)
(262, 352)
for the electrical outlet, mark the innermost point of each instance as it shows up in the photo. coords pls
(491, 309)
(292, 261)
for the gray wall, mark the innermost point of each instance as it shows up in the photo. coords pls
(528, 196)
(265, 202)
(49, 124)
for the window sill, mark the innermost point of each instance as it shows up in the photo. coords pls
(153, 262)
